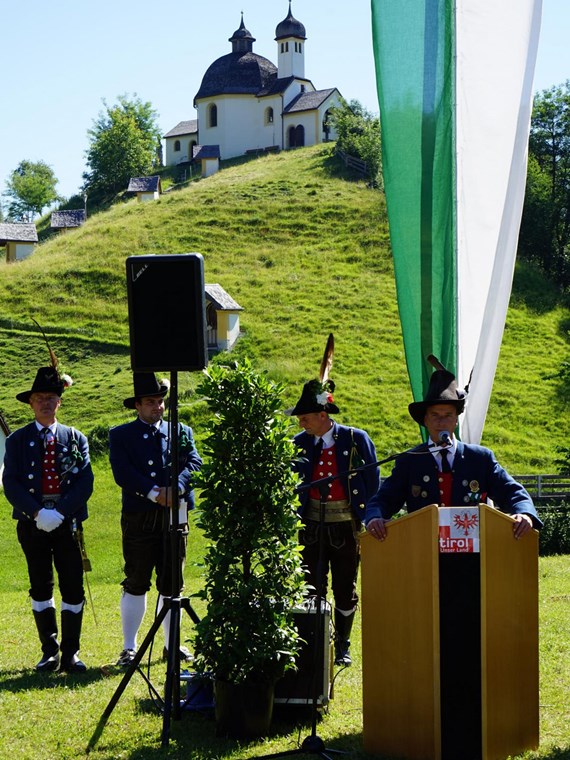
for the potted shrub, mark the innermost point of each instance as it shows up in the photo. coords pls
(254, 578)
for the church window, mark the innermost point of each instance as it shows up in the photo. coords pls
(269, 115)
(177, 146)
(213, 115)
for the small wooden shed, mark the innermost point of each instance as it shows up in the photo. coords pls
(222, 318)
(209, 158)
(68, 219)
(146, 188)
(19, 239)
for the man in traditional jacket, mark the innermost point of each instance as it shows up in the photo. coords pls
(140, 460)
(329, 450)
(446, 471)
(48, 479)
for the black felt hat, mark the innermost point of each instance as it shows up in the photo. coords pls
(316, 397)
(442, 390)
(48, 380)
(146, 384)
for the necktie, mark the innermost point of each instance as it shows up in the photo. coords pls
(318, 450)
(444, 463)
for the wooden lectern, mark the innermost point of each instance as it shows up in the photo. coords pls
(450, 641)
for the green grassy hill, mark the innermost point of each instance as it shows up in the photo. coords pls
(304, 252)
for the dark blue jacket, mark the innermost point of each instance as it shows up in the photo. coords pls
(139, 462)
(477, 475)
(22, 477)
(353, 448)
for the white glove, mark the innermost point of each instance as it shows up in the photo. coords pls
(49, 519)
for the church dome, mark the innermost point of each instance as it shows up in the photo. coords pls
(242, 33)
(290, 27)
(237, 74)
(241, 72)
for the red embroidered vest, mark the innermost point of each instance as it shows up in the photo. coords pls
(326, 467)
(50, 476)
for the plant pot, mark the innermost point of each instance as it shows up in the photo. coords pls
(243, 710)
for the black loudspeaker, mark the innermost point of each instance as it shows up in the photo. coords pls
(296, 686)
(167, 312)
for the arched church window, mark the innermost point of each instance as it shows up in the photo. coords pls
(177, 146)
(213, 115)
(269, 115)
(296, 136)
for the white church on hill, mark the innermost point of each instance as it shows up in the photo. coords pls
(247, 104)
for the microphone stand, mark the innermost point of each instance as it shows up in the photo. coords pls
(313, 744)
(173, 604)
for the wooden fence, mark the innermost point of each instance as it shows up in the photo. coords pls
(546, 489)
(354, 163)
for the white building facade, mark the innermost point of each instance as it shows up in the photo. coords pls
(247, 104)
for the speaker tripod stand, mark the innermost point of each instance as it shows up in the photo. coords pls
(174, 605)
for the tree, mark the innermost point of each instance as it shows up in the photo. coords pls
(545, 228)
(123, 144)
(359, 135)
(31, 188)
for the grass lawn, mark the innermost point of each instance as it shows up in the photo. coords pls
(53, 716)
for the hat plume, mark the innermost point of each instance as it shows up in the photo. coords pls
(435, 363)
(53, 358)
(326, 364)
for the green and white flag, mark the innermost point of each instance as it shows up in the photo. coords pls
(455, 92)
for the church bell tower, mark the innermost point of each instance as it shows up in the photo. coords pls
(290, 37)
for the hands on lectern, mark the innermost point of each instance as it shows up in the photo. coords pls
(377, 528)
(523, 523)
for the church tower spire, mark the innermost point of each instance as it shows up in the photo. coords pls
(290, 37)
(242, 39)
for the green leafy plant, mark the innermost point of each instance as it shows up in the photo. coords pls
(555, 533)
(248, 514)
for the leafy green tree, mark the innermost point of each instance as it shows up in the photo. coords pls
(253, 575)
(358, 133)
(123, 144)
(31, 187)
(545, 228)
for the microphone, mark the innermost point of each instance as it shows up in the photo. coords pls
(444, 438)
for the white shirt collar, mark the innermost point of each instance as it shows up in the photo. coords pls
(52, 427)
(327, 438)
(435, 451)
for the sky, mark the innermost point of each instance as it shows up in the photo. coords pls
(60, 60)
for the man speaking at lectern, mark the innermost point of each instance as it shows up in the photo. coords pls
(446, 471)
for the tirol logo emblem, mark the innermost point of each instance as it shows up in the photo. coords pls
(465, 522)
(459, 529)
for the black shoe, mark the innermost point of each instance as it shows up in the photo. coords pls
(342, 653)
(49, 663)
(73, 664)
(126, 658)
(185, 654)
